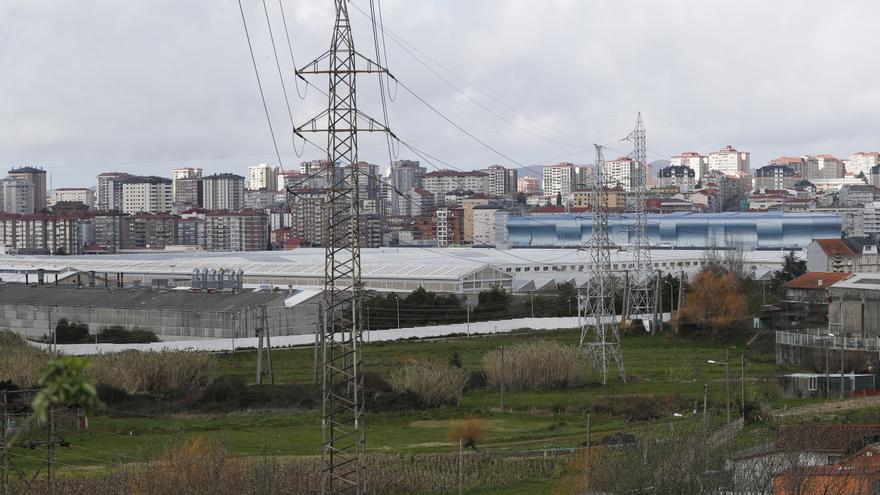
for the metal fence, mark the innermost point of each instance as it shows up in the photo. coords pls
(822, 340)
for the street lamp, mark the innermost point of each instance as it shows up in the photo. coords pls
(397, 301)
(726, 364)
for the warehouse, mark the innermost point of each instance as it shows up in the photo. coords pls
(854, 309)
(171, 314)
(766, 230)
(451, 270)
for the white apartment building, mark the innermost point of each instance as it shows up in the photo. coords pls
(618, 172)
(441, 216)
(72, 195)
(443, 181)
(501, 180)
(729, 161)
(871, 218)
(108, 194)
(562, 178)
(825, 167)
(693, 160)
(146, 195)
(484, 225)
(182, 173)
(263, 176)
(16, 196)
(223, 192)
(862, 162)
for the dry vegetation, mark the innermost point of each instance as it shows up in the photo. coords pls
(714, 299)
(468, 431)
(433, 383)
(134, 372)
(202, 466)
(535, 366)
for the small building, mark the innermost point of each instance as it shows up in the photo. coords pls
(858, 474)
(854, 307)
(799, 385)
(812, 287)
(797, 447)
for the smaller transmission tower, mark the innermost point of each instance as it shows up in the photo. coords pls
(640, 300)
(598, 327)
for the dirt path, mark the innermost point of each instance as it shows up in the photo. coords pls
(831, 407)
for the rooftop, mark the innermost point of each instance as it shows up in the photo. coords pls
(816, 280)
(834, 247)
(823, 438)
(128, 298)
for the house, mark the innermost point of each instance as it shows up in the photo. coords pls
(851, 254)
(812, 287)
(858, 474)
(798, 447)
(798, 385)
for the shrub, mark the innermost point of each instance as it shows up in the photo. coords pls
(117, 334)
(476, 380)
(155, 372)
(469, 431)
(226, 388)
(640, 407)
(71, 333)
(535, 366)
(434, 384)
(21, 362)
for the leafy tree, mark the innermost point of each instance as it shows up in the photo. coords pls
(64, 381)
(714, 299)
(493, 304)
(792, 268)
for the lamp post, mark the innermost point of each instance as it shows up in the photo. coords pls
(726, 364)
(397, 301)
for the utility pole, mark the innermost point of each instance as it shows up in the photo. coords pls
(642, 298)
(705, 405)
(3, 443)
(343, 440)
(742, 386)
(727, 382)
(502, 377)
(598, 302)
(318, 332)
(50, 450)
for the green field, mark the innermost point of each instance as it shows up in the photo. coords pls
(657, 366)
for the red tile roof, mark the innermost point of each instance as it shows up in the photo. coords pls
(816, 280)
(824, 438)
(835, 247)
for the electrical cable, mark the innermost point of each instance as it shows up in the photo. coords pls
(280, 78)
(302, 95)
(259, 83)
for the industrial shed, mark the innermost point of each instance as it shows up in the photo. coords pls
(171, 314)
(854, 308)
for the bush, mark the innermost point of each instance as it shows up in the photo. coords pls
(476, 380)
(640, 407)
(535, 366)
(154, 372)
(226, 388)
(468, 431)
(21, 362)
(71, 333)
(434, 384)
(120, 335)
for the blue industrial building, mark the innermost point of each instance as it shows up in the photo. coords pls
(772, 230)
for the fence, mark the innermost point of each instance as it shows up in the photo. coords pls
(826, 341)
(482, 327)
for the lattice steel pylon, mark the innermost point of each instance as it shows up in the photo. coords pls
(599, 330)
(640, 300)
(343, 440)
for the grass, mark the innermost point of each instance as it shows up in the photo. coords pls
(660, 364)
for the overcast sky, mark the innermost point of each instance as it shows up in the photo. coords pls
(147, 86)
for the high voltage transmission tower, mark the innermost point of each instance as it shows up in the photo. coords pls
(344, 467)
(598, 327)
(640, 298)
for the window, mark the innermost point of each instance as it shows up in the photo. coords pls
(812, 385)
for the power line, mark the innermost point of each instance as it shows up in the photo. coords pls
(260, 84)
